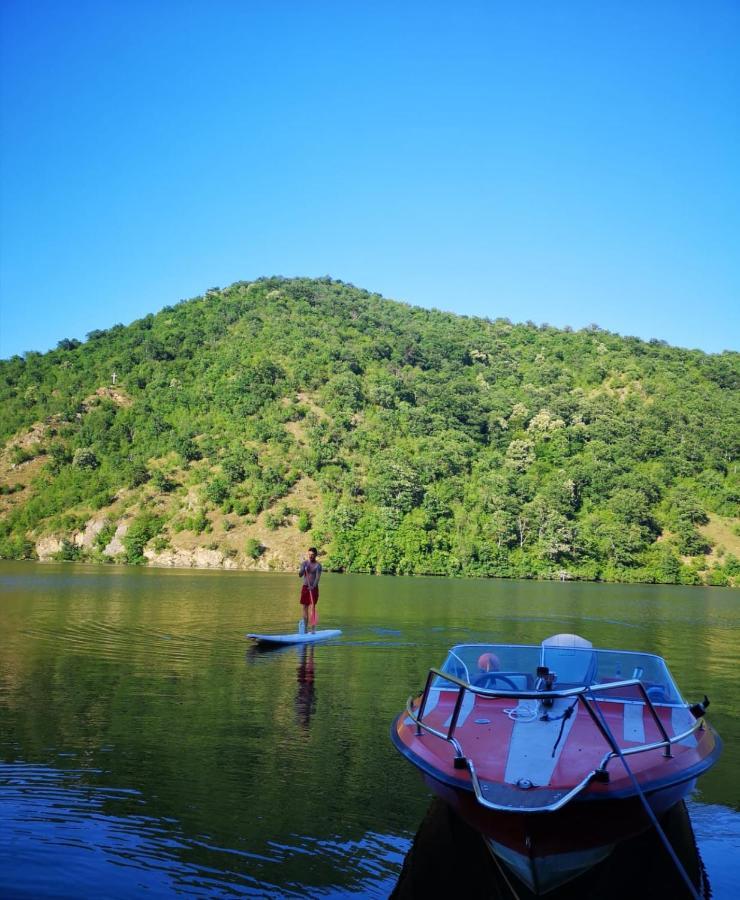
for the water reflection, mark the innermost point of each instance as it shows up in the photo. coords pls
(448, 858)
(305, 695)
(173, 753)
(64, 836)
(305, 699)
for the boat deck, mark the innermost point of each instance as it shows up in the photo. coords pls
(525, 743)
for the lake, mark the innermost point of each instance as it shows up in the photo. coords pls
(146, 747)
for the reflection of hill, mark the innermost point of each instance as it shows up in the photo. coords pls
(150, 697)
(449, 859)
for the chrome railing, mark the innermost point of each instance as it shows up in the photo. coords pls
(580, 693)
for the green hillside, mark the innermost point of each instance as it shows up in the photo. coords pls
(235, 428)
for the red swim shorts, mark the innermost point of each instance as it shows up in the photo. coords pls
(306, 595)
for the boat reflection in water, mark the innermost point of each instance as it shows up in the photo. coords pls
(448, 858)
(556, 754)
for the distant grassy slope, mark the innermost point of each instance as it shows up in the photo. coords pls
(233, 428)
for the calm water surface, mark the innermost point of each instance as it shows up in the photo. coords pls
(146, 748)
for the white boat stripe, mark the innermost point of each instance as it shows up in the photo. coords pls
(532, 742)
(634, 724)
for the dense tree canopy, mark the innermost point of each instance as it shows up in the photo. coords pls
(441, 444)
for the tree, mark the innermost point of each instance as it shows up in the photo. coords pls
(141, 530)
(84, 458)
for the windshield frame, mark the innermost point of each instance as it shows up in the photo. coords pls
(608, 665)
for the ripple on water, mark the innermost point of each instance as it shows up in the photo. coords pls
(63, 836)
(717, 831)
(119, 644)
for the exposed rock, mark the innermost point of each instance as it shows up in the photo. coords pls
(47, 547)
(198, 558)
(207, 559)
(107, 393)
(115, 546)
(87, 537)
(34, 435)
(180, 559)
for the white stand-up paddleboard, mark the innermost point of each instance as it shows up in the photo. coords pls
(296, 638)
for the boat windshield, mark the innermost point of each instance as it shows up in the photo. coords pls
(514, 667)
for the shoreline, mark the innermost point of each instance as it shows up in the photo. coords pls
(286, 570)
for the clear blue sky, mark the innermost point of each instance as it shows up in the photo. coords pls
(568, 163)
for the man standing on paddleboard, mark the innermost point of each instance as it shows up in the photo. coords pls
(310, 572)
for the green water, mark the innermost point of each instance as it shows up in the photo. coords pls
(146, 746)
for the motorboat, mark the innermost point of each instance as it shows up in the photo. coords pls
(555, 752)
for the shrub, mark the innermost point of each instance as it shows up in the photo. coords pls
(161, 482)
(143, 528)
(137, 475)
(104, 498)
(60, 456)
(68, 551)
(273, 521)
(16, 547)
(199, 522)
(85, 458)
(233, 470)
(304, 520)
(717, 578)
(691, 542)
(104, 536)
(187, 448)
(68, 344)
(20, 455)
(217, 489)
(254, 549)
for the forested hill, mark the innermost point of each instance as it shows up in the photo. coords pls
(238, 427)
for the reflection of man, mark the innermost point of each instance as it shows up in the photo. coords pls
(310, 572)
(305, 700)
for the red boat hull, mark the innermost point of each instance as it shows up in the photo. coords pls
(546, 848)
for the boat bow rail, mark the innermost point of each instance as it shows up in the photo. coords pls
(583, 695)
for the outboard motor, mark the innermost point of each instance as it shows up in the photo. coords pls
(572, 657)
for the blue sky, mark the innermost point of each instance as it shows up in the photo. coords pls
(568, 163)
